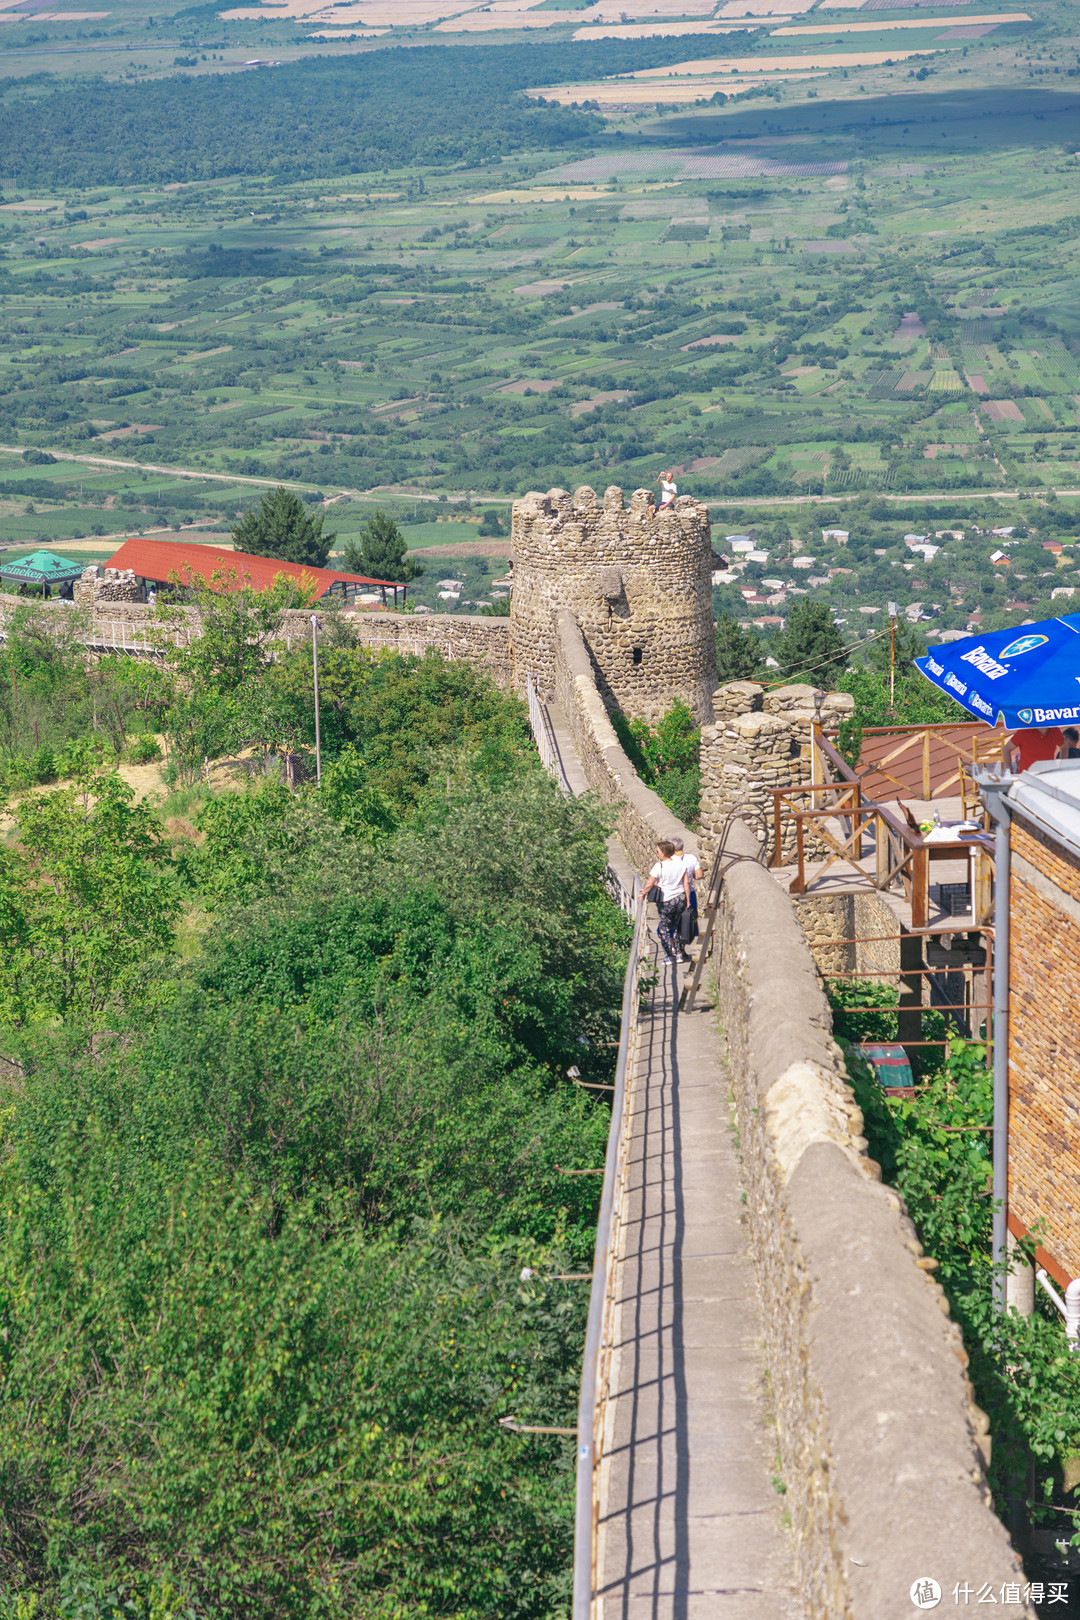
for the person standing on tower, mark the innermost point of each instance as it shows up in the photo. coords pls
(668, 490)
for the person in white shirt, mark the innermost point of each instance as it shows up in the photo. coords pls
(668, 490)
(670, 877)
(693, 869)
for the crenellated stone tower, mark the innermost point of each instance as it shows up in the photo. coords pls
(639, 582)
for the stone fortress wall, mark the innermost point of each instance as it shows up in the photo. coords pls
(639, 582)
(108, 612)
(882, 1448)
(760, 740)
(643, 818)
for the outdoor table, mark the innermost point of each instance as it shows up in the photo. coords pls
(962, 845)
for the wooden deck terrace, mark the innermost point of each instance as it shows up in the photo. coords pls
(924, 762)
(852, 829)
(914, 896)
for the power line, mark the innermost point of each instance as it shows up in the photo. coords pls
(807, 668)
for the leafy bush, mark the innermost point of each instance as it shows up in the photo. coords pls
(144, 750)
(266, 1209)
(84, 899)
(289, 1420)
(936, 1151)
(666, 757)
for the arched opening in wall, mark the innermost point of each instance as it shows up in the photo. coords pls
(637, 656)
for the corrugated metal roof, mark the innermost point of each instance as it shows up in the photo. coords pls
(159, 560)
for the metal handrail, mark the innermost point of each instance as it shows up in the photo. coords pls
(598, 1334)
(617, 890)
(544, 735)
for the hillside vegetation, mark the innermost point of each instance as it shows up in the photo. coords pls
(282, 1224)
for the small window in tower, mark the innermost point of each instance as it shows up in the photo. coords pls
(637, 656)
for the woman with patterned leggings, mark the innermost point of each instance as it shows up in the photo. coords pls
(669, 875)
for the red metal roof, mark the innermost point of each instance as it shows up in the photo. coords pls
(160, 560)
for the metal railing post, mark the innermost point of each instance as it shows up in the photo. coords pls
(800, 875)
(593, 1371)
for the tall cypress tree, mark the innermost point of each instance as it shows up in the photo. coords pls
(811, 644)
(738, 651)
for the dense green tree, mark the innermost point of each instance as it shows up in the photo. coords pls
(811, 644)
(738, 652)
(263, 1237)
(667, 756)
(227, 693)
(915, 701)
(85, 898)
(380, 552)
(281, 526)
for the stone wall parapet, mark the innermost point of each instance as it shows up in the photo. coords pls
(643, 817)
(882, 1446)
(106, 614)
(762, 740)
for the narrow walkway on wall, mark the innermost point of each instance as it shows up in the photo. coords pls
(691, 1520)
(568, 760)
(574, 775)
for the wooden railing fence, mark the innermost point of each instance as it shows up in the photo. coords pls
(849, 818)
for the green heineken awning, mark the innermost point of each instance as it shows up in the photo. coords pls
(42, 568)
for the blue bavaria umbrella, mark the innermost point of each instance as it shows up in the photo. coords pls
(1029, 677)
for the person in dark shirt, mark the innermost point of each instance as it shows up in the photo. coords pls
(1070, 747)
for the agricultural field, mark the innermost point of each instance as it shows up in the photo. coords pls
(415, 258)
(817, 289)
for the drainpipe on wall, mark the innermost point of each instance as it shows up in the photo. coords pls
(1072, 1314)
(993, 797)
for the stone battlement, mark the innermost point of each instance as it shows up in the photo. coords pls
(761, 740)
(639, 582)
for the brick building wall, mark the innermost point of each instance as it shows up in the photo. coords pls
(1044, 1044)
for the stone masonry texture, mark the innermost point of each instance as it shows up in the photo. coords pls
(759, 741)
(1044, 1043)
(643, 817)
(640, 585)
(107, 611)
(882, 1448)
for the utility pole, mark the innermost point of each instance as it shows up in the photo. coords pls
(892, 655)
(315, 673)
